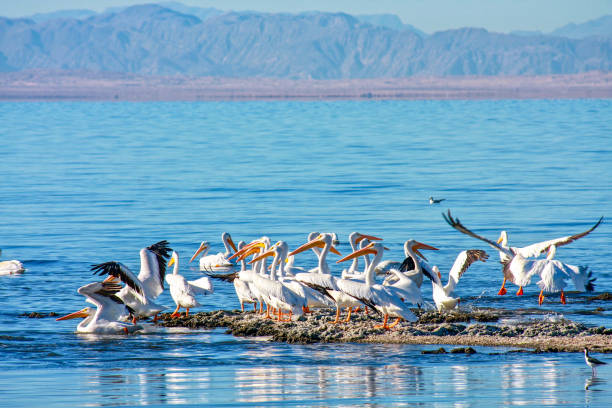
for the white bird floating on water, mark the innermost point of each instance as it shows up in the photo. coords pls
(218, 262)
(435, 201)
(592, 361)
(10, 267)
(109, 310)
(184, 292)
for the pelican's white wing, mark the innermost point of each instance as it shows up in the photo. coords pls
(202, 286)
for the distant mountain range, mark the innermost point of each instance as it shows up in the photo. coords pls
(172, 39)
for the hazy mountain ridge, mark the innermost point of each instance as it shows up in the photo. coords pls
(150, 39)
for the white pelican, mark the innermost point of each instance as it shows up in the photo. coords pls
(355, 238)
(314, 299)
(592, 361)
(273, 292)
(241, 282)
(517, 269)
(534, 250)
(554, 275)
(215, 262)
(150, 279)
(183, 292)
(105, 319)
(10, 267)
(374, 295)
(414, 264)
(442, 295)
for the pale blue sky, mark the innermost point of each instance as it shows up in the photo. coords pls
(427, 15)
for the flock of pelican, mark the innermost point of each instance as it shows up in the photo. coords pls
(286, 290)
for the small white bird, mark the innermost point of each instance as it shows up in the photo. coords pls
(592, 361)
(10, 267)
(184, 292)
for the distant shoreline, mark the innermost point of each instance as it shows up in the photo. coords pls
(85, 86)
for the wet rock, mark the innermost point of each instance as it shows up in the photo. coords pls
(463, 350)
(604, 296)
(441, 350)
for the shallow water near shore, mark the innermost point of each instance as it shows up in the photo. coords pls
(85, 183)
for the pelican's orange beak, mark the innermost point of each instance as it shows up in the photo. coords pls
(367, 250)
(499, 241)
(202, 247)
(250, 251)
(172, 262)
(81, 313)
(245, 248)
(110, 279)
(317, 242)
(369, 237)
(262, 256)
(420, 245)
(229, 241)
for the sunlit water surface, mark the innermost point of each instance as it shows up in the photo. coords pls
(84, 183)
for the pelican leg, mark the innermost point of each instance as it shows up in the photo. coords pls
(337, 315)
(541, 297)
(255, 307)
(366, 310)
(125, 330)
(155, 318)
(502, 290)
(520, 291)
(268, 312)
(392, 325)
(562, 297)
(384, 325)
(348, 316)
(306, 309)
(260, 307)
(357, 309)
(134, 319)
(187, 312)
(176, 312)
(242, 306)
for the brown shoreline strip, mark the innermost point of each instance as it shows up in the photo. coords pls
(43, 85)
(456, 328)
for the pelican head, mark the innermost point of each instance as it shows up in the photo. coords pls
(503, 238)
(319, 241)
(204, 247)
(83, 313)
(412, 246)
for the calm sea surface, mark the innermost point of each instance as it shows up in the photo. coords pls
(84, 183)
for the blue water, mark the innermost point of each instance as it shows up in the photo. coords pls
(85, 183)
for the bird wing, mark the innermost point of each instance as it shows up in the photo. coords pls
(456, 224)
(123, 273)
(153, 262)
(462, 263)
(536, 249)
(202, 286)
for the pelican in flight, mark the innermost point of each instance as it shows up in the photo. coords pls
(442, 295)
(376, 296)
(535, 250)
(141, 291)
(217, 262)
(10, 267)
(554, 275)
(109, 309)
(184, 292)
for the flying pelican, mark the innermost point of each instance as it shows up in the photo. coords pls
(215, 262)
(592, 361)
(554, 274)
(374, 295)
(105, 319)
(183, 292)
(535, 250)
(442, 295)
(517, 269)
(150, 279)
(10, 267)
